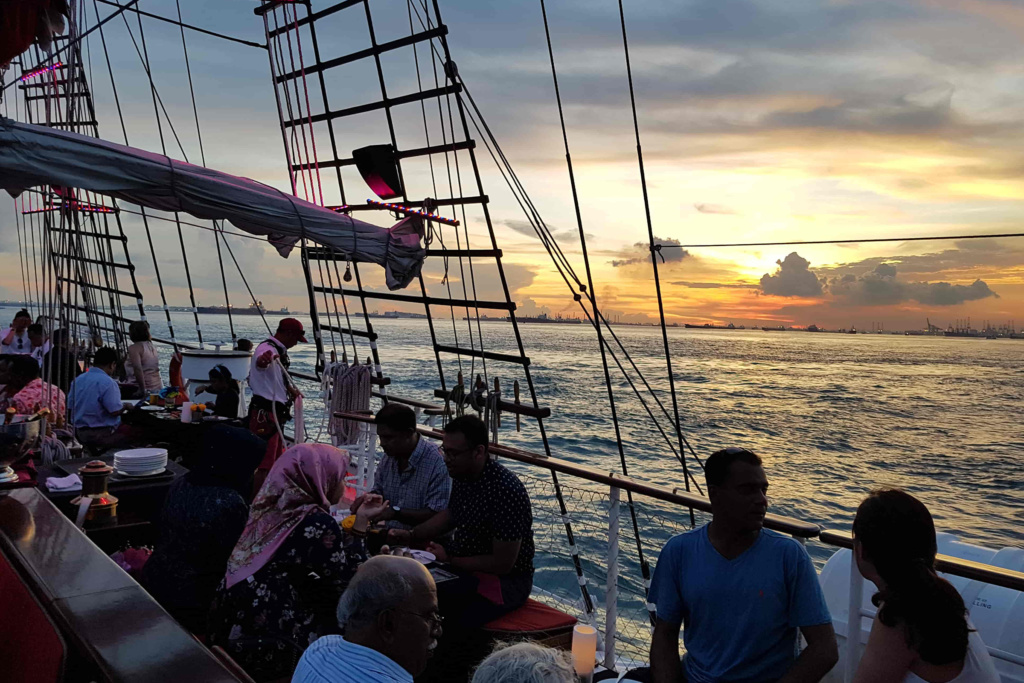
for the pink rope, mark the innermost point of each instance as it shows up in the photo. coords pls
(309, 117)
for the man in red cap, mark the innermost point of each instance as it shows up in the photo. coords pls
(272, 391)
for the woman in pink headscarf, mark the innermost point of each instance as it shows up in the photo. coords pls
(291, 564)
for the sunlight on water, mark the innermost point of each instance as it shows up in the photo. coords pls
(832, 415)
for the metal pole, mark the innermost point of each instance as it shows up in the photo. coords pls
(611, 611)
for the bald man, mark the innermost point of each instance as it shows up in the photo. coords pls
(389, 617)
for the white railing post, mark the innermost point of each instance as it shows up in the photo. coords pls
(611, 611)
(360, 449)
(371, 454)
(853, 620)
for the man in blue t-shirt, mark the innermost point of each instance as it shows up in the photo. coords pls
(742, 592)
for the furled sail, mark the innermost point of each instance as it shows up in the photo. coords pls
(32, 155)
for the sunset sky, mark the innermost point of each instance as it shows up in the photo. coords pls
(761, 121)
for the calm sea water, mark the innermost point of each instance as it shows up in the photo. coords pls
(832, 415)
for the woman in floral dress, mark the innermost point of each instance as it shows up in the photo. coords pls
(291, 565)
(26, 392)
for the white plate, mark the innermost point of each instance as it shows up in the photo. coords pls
(142, 474)
(141, 453)
(152, 409)
(216, 418)
(422, 556)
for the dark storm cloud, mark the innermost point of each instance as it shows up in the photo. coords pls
(793, 277)
(873, 67)
(881, 288)
(640, 252)
(968, 255)
(524, 228)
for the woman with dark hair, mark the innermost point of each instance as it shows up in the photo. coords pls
(203, 516)
(224, 386)
(921, 633)
(143, 365)
(26, 392)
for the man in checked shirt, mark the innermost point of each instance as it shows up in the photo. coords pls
(412, 475)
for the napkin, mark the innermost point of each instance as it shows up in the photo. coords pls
(68, 483)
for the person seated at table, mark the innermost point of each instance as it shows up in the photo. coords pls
(921, 633)
(525, 663)
(143, 366)
(412, 475)
(490, 513)
(14, 340)
(27, 393)
(96, 405)
(40, 344)
(742, 590)
(202, 518)
(291, 564)
(391, 625)
(60, 362)
(243, 345)
(223, 385)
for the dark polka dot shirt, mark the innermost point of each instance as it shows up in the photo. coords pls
(495, 506)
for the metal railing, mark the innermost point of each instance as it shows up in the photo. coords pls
(597, 510)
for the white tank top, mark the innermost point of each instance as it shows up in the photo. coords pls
(978, 665)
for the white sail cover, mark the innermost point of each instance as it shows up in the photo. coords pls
(32, 156)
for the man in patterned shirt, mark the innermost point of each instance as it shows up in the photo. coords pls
(491, 548)
(411, 476)
(492, 544)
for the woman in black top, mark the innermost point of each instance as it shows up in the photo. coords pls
(226, 388)
(203, 516)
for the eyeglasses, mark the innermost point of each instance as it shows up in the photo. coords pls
(433, 618)
(452, 453)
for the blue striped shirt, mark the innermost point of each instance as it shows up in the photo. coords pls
(424, 484)
(332, 659)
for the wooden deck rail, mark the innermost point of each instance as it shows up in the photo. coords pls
(975, 571)
(786, 525)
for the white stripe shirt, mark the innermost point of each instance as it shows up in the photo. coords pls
(332, 659)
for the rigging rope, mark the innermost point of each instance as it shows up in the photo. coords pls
(654, 256)
(145, 220)
(348, 390)
(593, 296)
(202, 156)
(163, 149)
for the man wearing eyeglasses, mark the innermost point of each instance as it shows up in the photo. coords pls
(491, 549)
(391, 626)
(742, 591)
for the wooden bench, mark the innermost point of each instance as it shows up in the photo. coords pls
(113, 629)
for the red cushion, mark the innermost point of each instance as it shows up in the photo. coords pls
(34, 650)
(533, 616)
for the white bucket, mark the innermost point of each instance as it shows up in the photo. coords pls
(197, 363)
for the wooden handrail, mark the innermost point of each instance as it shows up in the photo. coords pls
(786, 525)
(968, 569)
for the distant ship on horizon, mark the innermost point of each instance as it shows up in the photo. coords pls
(253, 309)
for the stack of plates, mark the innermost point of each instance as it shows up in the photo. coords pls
(141, 462)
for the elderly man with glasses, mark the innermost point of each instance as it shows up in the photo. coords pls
(390, 622)
(491, 547)
(743, 591)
